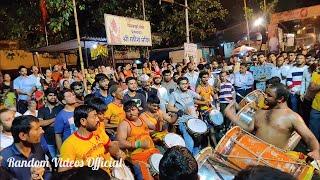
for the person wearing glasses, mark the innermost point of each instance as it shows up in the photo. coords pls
(182, 102)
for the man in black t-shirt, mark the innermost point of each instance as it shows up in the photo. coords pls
(47, 116)
(133, 95)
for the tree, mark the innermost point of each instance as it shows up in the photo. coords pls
(203, 18)
(22, 19)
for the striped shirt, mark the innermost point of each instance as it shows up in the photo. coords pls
(216, 72)
(226, 92)
(294, 79)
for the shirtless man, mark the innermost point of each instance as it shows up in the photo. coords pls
(133, 135)
(154, 117)
(276, 125)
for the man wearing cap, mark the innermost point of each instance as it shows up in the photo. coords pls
(146, 88)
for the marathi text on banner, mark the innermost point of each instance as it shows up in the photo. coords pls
(127, 31)
(190, 52)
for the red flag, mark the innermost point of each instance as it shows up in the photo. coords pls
(44, 13)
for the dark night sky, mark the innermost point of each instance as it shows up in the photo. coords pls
(235, 7)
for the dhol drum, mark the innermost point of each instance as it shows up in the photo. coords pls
(196, 127)
(215, 117)
(239, 149)
(246, 114)
(154, 162)
(172, 139)
(293, 141)
(256, 96)
(210, 168)
(122, 173)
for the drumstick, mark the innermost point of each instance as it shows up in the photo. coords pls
(269, 159)
(240, 95)
(236, 167)
(218, 173)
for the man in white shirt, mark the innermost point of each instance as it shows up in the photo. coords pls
(281, 70)
(162, 92)
(6, 118)
(192, 75)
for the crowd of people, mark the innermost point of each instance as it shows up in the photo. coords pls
(124, 113)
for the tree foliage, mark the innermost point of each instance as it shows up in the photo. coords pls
(21, 19)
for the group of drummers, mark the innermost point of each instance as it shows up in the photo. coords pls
(142, 122)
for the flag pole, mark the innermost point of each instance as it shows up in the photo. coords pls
(79, 45)
(45, 30)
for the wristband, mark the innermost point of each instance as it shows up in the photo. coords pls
(138, 144)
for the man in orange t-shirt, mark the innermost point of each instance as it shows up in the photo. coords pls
(56, 73)
(114, 114)
(88, 142)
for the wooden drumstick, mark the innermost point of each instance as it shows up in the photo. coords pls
(240, 95)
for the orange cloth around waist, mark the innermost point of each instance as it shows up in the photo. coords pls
(142, 159)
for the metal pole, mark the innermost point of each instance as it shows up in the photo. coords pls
(45, 30)
(143, 10)
(265, 6)
(79, 44)
(144, 18)
(86, 51)
(187, 20)
(113, 61)
(246, 15)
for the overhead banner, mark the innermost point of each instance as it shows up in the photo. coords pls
(190, 52)
(127, 31)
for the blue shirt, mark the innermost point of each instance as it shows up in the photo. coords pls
(243, 81)
(64, 124)
(25, 84)
(13, 157)
(184, 100)
(107, 100)
(261, 74)
(193, 78)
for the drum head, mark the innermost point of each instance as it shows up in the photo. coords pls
(122, 173)
(197, 126)
(203, 155)
(216, 117)
(173, 139)
(213, 171)
(246, 114)
(155, 161)
(254, 96)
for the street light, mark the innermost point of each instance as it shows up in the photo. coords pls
(258, 22)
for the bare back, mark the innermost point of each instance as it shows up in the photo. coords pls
(275, 126)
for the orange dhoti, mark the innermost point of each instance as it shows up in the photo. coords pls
(142, 159)
(141, 156)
